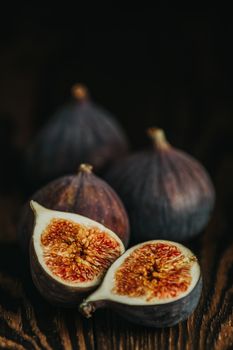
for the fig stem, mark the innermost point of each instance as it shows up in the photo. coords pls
(86, 168)
(87, 308)
(80, 92)
(158, 137)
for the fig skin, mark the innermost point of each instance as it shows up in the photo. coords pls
(83, 193)
(79, 132)
(167, 193)
(158, 316)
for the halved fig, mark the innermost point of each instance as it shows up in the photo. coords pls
(156, 283)
(69, 254)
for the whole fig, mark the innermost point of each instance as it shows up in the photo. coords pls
(79, 132)
(167, 193)
(84, 194)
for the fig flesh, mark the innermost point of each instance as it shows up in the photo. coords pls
(156, 283)
(84, 194)
(69, 254)
(79, 132)
(167, 193)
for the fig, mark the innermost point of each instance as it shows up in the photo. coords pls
(82, 193)
(69, 254)
(156, 283)
(79, 132)
(167, 193)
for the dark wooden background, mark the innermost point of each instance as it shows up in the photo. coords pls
(161, 67)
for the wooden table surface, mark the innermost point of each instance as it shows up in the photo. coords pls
(29, 322)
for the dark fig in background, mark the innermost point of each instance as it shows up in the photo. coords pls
(79, 132)
(154, 284)
(84, 194)
(69, 254)
(167, 193)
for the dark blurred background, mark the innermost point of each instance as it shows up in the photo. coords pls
(159, 67)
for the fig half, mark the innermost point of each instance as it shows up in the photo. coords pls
(156, 283)
(69, 254)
